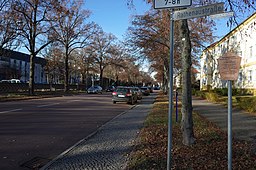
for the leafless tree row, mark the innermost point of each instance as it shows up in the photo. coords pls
(60, 31)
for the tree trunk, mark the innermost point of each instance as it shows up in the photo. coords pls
(66, 83)
(31, 74)
(166, 77)
(101, 77)
(187, 119)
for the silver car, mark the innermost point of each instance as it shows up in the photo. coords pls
(94, 90)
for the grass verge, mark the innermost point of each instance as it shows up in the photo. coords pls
(209, 151)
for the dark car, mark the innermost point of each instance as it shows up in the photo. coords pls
(138, 91)
(94, 90)
(110, 89)
(150, 89)
(145, 91)
(124, 94)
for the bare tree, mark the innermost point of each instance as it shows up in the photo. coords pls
(55, 64)
(71, 30)
(8, 32)
(102, 44)
(32, 20)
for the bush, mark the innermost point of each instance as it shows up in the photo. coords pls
(247, 103)
(235, 91)
(222, 91)
(211, 96)
(199, 93)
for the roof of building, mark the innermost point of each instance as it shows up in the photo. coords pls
(232, 31)
(21, 56)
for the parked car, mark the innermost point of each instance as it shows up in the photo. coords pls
(110, 89)
(156, 88)
(11, 81)
(15, 81)
(5, 81)
(145, 91)
(124, 94)
(138, 91)
(94, 90)
(150, 89)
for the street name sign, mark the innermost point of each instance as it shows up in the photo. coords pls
(222, 15)
(229, 65)
(199, 11)
(160, 4)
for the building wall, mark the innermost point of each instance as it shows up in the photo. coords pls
(20, 63)
(240, 41)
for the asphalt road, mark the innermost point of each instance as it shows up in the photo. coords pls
(36, 131)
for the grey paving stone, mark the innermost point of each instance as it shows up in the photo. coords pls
(243, 124)
(109, 147)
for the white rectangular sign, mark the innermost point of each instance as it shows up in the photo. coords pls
(222, 15)
(199, 11)
(160, 4)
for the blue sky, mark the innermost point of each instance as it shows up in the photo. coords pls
(114, 16)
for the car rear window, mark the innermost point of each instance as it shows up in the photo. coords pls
(123, 90)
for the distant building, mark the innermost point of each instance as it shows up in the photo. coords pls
(16, 65)
(241, 41)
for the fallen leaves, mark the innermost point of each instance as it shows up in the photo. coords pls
(209, 151)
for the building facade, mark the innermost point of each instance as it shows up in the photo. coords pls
(16, 65)
(241, 41)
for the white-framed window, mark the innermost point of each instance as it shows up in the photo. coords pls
(251, 51)
(240, 77)
(250, 74)
(251, 28)
(240, 53)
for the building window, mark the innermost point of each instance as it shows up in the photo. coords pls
(250, 52)
(240, 53)
(240, 77)
(250, 75)
(251, 27)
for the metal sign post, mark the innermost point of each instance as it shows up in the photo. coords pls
(192, 13)
(177, 106)
(169, 156)
(228, 66)
(229, 125)
(159, 4)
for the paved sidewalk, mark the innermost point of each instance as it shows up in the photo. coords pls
(243, 124)
(108, 148)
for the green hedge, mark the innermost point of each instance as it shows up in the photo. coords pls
(235, 92)
(247, 103)
(211, 96)
(199, 93)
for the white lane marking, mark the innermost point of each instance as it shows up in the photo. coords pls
(52, 104)
(8, 111)
(73, 101)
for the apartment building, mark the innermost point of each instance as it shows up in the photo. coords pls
(16, 65)
(241, 41)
